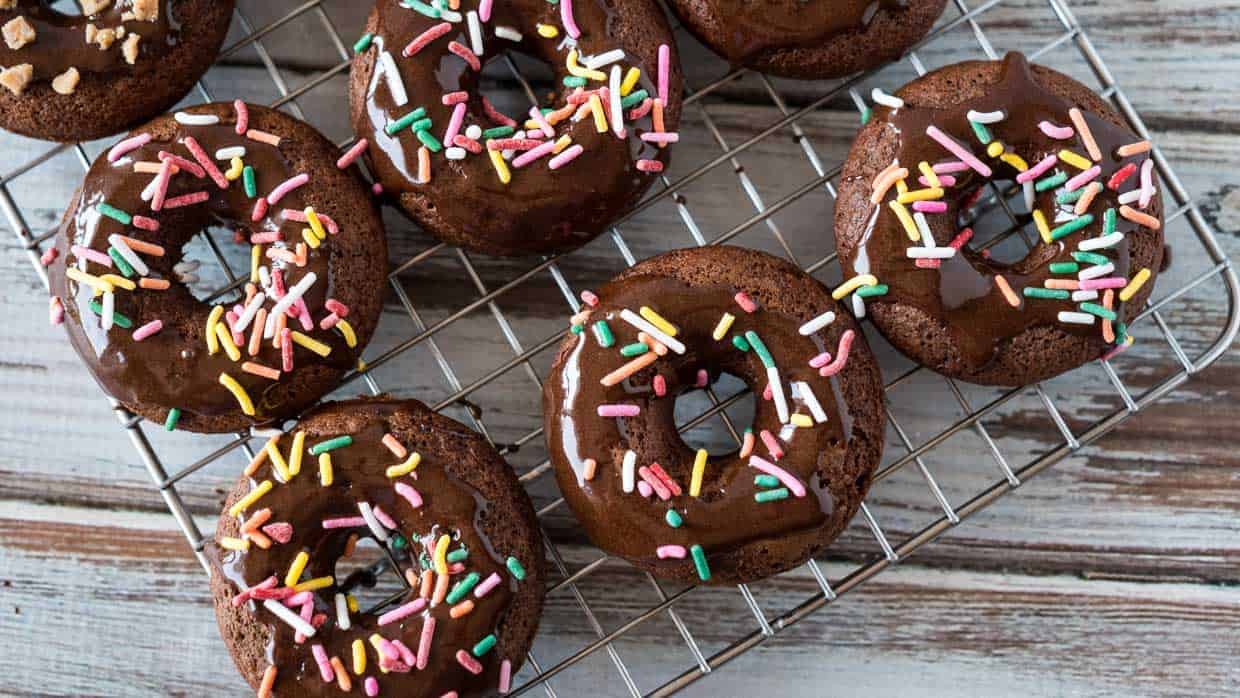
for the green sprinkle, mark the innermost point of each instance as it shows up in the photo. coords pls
(330, 445)
(634, 349)
(432, 143)
(498, 132)
(602, 332)
(866, 113)
(673, 518)
(119, 320)
(574, 81)
(1064, 267)
(872, 291)
(514, 566)
(740, 343)
(760, 349)
(399, 542)
(174, 416)
(1050, 182)
(484, 645)
(363, 43)
(421, 125)
(1095, 309)
(463, 587)
(120, 262)
(699, 561)
(458, 555)
(771, 495)
(1121, 332)
(577, 329)
(982, 133)
(766, 481)
(1069, 197)
(1047, 293)
(421, 7)
(1108, 221)
(404, 121)
(115, 214)
(251, 185)
(635, 98)
(1090, 258)
(1071, 226)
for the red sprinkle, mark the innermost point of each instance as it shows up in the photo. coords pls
(243, 117)
(512, 144)
(145, 223)
(494, 115)
(337, 307)
(1120, 175)
(49, 256)
(329, 321)
(660, 386)
(667, 480)
(641, 110)
(467, 143)
(451, 99)
(465, 54)
(280, 532)
(187, 200)
(286, 349)
(426, 37)
(207, 164)
(260, 209)
(190, 167)
(650, 165)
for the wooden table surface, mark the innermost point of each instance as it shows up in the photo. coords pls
(1113, 572)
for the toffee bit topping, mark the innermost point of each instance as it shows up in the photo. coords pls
(130, 48)
(66, 82)
(18, 32)
(16, 78)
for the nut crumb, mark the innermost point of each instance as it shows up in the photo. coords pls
(120, 33)
(16, 78)
(18, 32)
(130, 49)
(146, 10)
(66, 82)
(91, 7)
(105, 38)
(7, 4)
(92, 32)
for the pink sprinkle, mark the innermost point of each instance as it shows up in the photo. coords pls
(494, 114)
(56, 311)
(566, 157)
(927, 263)
(151, 328)
(655, 483)
(1038, 170)
(402, 612)
(456, 568)
(372, 686)
(352, 154)
(958, 150)
(260, 210)
(336, 307)
(841, 356)
(484, 10)
(745, 302)
(641, 110)
(537, 115)
(307, 614)
(462, 657)
(451, 98)
(644, 489)
(287, 186)
(376, 189)
(665, 69)
(279, 531)
(666, 137)
(1062, 133)
(619, 410)
(424, 643)
(530, 156)
(161, 186)
(589, 298)
(266, 238)
(454, 123)
(784, 476)
(944, 180)
(384, 518)
(505, 667)
(187, 200)
(411, 495)
(300, 216)
(344, 522)
(673, 551)
(426, 37)
(487, 585)
(767, 393)
(1083, 178)
(949, 167)
(1107, 282)
(463, 52)
(50, 255)
(243, 117)
(329, 321)
(244, 596)
(768, 440)
(406, 655)
(387, 649)
(144, 223)
(207, 163)
(300, 598)
(821, 360)
(566, 16)
(128, 145)
(190, 167)
(930, 206)
(703, 378)
(660, 385)
(650, 165)
(92, 255)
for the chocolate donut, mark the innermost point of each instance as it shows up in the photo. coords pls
(447, 511)
(317, 254)
(810, 40)
(534, 183)
(80, 77)
(675, 323)
(909, 192)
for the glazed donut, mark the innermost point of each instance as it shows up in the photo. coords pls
(809, 40)
(518, 183)
(909, 191)
(282, 335)
(447, 511)
(673, 324)
(119, 63)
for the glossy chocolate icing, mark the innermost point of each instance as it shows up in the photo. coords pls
(173, 368)
(758, 26)
(962, 293)
(465, 202)
(60, 41)
(450, 507)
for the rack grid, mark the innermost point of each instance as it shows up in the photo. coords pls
(1007, 476)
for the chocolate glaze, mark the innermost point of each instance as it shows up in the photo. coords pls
(756, 27)
(173, 369)
(962, 294)
(60, 43)
(450, 506)
(540, 210)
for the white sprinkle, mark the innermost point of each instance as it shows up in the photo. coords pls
(473, 132)
(885, 99)
(342, 612)
(265, 432)
(1076, 318)
(1100, 242)
(508, 33)
(130, 256)
(922, 225)
(264, 277)
(1028, 190)
(1081, 296)
(640, 323)
(817, 323)
(396, 85)
(777, 392)
(251, 309)
(627, 469)
(1097, 271)
(109, 310)
(196, 119)
(807, 396)
(986, 117)
(283, 613)
(858, 306)
(149, 192)
(455, 153)
(603, 59)
(475, 32)
(613, 93)
(1130, 196)
(931, 252)
(449, 15)
(237, 151)
(297, 291)
(375, 527)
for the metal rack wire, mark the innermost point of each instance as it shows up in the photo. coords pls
(1006, 477)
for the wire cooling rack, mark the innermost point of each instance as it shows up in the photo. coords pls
(516, 369)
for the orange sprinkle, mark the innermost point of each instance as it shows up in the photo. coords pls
(394, 445)
(1131, 149)
(461, 609)
(143, 247)
(269, 680)
(587, 471)
(301, 254)
(424, 165)
(262, 137)
(560, 114)
(1063, 284)
(256, 462)
(657, 116)
(1087, 136)
(250, 290)
(1108, 329)
(281, 323)
(256, 333)
(884, 181)
(1006, 288)
(153, 168)
(260, 539)
(258, 369)
(349, 545)
(1087, 198)
(427, 579)
(1142, 219)
(618, 375)
(441, 590)
(154, 284)
(655, 345)
(342, 676)
(411, 577)
(259, 518)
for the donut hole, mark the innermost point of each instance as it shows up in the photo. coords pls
(203, 261)
(995, 236)
(712, 433)
(69, 8)
(368, 575)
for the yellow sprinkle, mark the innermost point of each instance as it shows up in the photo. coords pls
(802, 420)
(405, 468)
(1134, 285)
(928, 172)
(243, 398)
(277, 458)
(351, 600)
(359, 657)
(350, 337)
(308, 235)
(906, 220)
(213, 342)
(256, 261)
(441, 555)
(89, 279)
(325, 469)
(699, 469)
(658, 321)
(531, 125)
(853, 284)
(315, 224)
(630, 81)
(234, 544)
(313, 345)
(375, 642)
(296, 569)
(563, 142)
(596, 106)
(294, 454)
(927, 194)
(119, 281)
(245, 502)
(1015, 161)
(901, 186)
(234, 172)
(501, 167)
(314, 584)
(725, 324)
(1039, 219)
(548, 31)
(583, 72)
(1075, 160)
(995, 149)
(226, 341)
